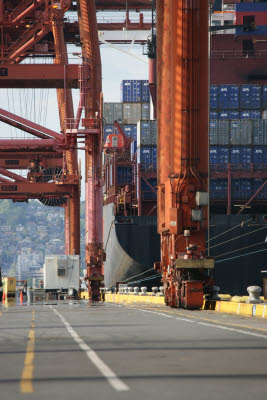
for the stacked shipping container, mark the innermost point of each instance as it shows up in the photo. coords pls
(133, 113)
(134, 106)
(147, 158)
(238, 135)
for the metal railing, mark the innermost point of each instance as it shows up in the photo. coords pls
(239, 54)
(118, 19)
(252, 167)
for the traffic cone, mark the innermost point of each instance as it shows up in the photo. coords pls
(4, 296)
(21, 296)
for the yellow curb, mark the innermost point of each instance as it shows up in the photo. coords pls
(228, 307)
(131, 299)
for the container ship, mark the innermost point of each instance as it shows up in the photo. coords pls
(238, 144)
(131, 241)
(238, 159)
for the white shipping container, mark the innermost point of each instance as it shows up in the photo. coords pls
(61, 272)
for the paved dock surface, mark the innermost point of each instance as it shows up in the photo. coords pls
(73, 350)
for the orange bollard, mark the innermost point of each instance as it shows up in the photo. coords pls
(21, 297)
(4, 296)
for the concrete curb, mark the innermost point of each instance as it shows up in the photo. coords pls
(228, 307)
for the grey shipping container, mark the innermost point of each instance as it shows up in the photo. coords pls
(117, 112)
(246, 132)
(241, 132)
(145, 109)
(131, 113)
(108, 113)
(235, 133)
(223, 132)
(260, 132)
(112, 112)
(147, 133)
(213, 133)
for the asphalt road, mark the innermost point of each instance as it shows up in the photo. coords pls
(72, 350)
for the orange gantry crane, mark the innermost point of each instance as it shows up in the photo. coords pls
(51, 158)
(182, 81)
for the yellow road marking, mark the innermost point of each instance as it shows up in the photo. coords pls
(26, 385)
(205, 319)
(1, 313)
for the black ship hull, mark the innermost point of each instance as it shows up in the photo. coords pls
(132, 245)
(241, 253)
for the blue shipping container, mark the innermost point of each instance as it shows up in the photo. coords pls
(255, 114)
(264, 97)
(108, 130)
(256, 184)
(223, 114)
(131, 91)
(147, 157)
(219, 155)
(146, 191)
(213, 115)
(130, 131)
(260, 156)
(233, 114)
(213, 97)
(145, 92)
(245, 114)
(124, 175)
(250, 97)
(229, 97)
(218, 189)
(240, 155)
(241, 189)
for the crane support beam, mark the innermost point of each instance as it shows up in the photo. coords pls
(39, 76)
(36, 188)
(26, 144)
(12, 175)
(24, 160)
(43, 132)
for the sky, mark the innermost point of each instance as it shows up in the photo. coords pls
(40, 105)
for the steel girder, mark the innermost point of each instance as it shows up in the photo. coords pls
(39, 76)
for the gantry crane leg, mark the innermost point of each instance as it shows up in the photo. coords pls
(93, 148)
(65, 106)
(183, 150)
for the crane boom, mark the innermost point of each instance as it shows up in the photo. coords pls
(126, 141)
